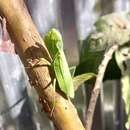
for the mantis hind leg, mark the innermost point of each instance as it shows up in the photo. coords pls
(54, 101)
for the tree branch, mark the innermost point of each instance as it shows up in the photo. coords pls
(97, 86)
(25, 36)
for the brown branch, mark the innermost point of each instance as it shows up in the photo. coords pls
(98, 85)
(25, 35)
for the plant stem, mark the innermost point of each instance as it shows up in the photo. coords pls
(98, 85)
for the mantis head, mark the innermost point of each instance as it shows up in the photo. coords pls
(53, 41)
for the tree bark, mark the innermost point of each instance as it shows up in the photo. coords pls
(25, 36)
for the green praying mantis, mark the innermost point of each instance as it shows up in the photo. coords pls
(54, 44)
(67, 83)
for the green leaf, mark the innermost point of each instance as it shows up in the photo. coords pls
(80, 79)
(123, 61)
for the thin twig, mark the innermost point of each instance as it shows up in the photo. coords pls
(97, 86)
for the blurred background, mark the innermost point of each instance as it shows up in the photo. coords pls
(19, 108)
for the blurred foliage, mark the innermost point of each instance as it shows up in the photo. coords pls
(123, 60)
(108, 32)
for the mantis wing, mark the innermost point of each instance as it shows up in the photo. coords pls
(63, 74)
